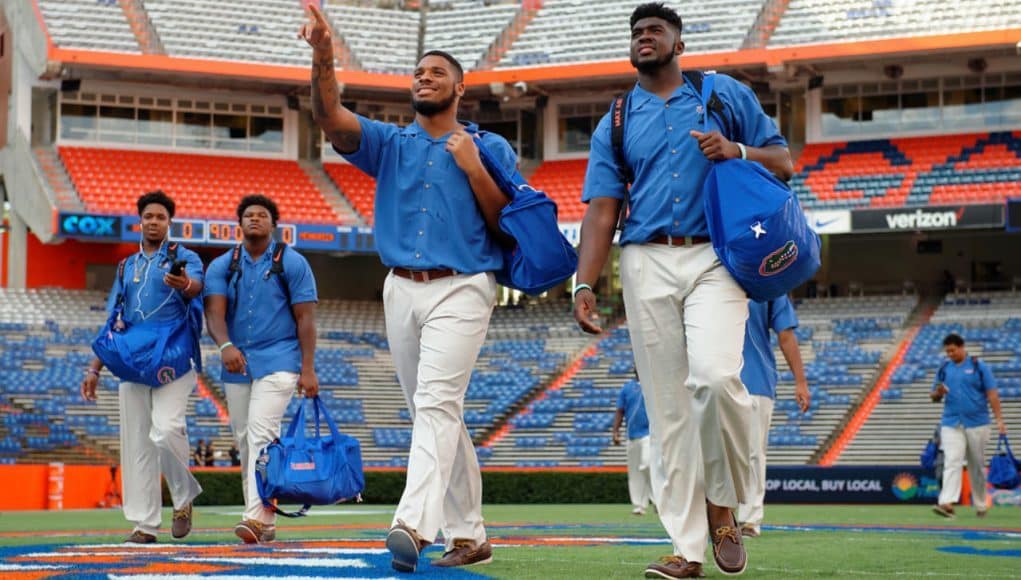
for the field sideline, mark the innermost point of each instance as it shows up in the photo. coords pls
(530, 541)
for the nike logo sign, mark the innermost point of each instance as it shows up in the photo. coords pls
(822, 224)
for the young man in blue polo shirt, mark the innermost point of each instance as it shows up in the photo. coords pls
(967, 388)
(686, 314)
(643, 477)
(436, 228)
(260, 310)
(154, 436)
(759, 375)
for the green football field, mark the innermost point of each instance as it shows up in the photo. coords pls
(571, 541)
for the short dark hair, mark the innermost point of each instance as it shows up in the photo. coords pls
(157, 197)
(954, 339)
(447, 57)
(261, 200)
(657, 10)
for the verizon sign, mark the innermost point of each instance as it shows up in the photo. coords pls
(928, 218)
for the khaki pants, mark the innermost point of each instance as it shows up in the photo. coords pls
(435, 330)
(256, 410)
(686, 316)
(960, 445)
(752, 511)
(154, 440)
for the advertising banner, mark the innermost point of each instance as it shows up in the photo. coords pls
(949, 217)
(850, 484)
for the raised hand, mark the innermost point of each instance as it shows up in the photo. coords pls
(465, 151)
(715, 146)
(316, 32)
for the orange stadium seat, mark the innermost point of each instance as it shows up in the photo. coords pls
(204, 186)
(359, 188)
(562, 181)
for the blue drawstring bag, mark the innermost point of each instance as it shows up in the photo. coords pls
(310, 471)
(151, 353)
(931, 457)
(1003, 469)
(756, 224)
(542, 257)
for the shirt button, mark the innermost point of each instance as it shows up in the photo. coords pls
(675, 175)
(423, 210)
(418, 255)
(429, 163)
(673, 151)
(668, 105)
(676, 223)
(427, 186)
(677, 200)
(669, 127)
(421, 233)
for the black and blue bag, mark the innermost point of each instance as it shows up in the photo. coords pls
(320, 470)
(541, 257)
(1003, 468)
(153, 353)
(757, 227)
(931, 457)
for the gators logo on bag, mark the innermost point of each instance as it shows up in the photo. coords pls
(166, 375)
(779, 260)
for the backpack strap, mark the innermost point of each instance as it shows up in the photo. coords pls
(714, 103)
(121, 297)
(172, 252)
(277, 269)
(978, 372)
(618, 116)
(941, 374)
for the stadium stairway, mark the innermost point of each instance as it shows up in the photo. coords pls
(357, 188)
(142, 26)
(769, 17)
(858, 415)
(341, 206)
(58, 178)
(511, 33)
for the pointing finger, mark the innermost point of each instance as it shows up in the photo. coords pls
(319, 18)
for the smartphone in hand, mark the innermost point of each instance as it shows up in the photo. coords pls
(178, 267)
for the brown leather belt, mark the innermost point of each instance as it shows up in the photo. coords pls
(423, 275)
(679, 240)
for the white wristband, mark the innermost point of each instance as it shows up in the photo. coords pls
(743, 150)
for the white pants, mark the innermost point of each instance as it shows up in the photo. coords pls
(435, 330)
(752, 510)
(256, 410)
(686, 316)
(959, 444)
(154, 440)
(639, 471)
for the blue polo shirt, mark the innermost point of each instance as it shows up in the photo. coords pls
(631, 401)
(146, 297)
(426, 216)
(759, 373)
(259, 318)
(669, 168)
(966, 403)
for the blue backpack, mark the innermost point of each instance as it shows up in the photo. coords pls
(310, 471)
(756, 225)
(152, 353)
(542, 257)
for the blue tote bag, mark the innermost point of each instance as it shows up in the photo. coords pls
(1003, 468)
(756, 224)
(319, 470)
(542, 257)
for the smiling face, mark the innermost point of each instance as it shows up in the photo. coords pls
(436, 86)
(257, 222)
(655, 43)
(155, 222)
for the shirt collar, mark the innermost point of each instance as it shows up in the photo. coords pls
(415, 130)
(640, 96)
(267, 255)
(161, 251)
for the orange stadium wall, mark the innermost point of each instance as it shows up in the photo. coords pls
(28, 487)
(66, 265)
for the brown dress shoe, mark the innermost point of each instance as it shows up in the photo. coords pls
(182, 522)
(749, 531)
(255, 532)
(466, 553)
(674, 567)
(405, 545)
(728, 549)
(140, 537)
(946, 511)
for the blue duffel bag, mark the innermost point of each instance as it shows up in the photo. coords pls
(756, 225)
(542, 257)
(320, 470)
(1003, 468)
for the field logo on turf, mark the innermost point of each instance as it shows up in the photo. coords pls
(904, 486)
